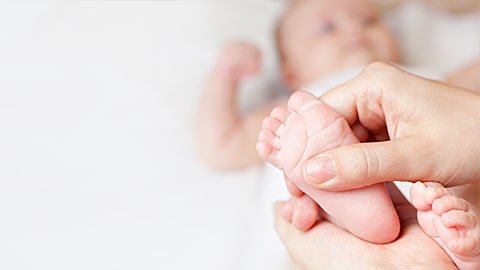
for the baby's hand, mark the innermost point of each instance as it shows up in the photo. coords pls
(238, 60)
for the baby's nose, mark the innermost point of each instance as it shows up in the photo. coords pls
(353, 28)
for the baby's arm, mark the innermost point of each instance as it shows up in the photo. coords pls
(468, 77)
(226, 138)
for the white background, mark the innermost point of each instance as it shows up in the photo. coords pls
(97, 168)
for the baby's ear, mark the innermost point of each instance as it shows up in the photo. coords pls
(289, 76)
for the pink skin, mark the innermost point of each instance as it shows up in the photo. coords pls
(318, 38)
(341, 35)
(451, 221)
(237, 61)
(300, 209)
(302, 212)
(291, 137)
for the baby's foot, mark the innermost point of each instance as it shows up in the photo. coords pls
(451, 221)
(291, 137)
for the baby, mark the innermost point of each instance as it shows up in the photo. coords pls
(317, 39)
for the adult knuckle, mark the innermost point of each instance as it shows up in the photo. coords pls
(379, 66)
(381, 73)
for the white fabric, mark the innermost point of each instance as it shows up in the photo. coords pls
(97, 168)
(435, 39)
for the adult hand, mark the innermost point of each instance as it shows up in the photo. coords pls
(327, 246)
(433, 131)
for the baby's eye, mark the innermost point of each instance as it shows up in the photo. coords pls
(325, 28)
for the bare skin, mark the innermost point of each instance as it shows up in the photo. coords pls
(448, 219)
(226, 138)
(468, 77)
(317, 38)
(451, 221)
(308, 128)
(326, 246)
(315, 45)
(421, 127)
(381, 77)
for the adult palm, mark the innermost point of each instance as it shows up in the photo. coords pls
(327, 246)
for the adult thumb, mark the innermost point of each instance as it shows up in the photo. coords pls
(364, 164)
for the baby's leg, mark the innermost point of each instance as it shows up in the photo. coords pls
(451, 221)
(289, 138)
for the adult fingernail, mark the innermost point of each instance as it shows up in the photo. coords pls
(319, 170)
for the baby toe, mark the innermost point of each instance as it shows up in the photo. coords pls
(448, 203)
(280, 114)
(417, 196)
(434, 191)
(274, 160)
(277, 143)
(458, 219)
(267, 152)
(465, 246)
(264, 149)
(301, 101)
(266, 135)
(271, 124)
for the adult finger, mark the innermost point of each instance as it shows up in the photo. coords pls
(359, 165)
(423, 126)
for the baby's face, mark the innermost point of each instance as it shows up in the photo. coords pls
(320, 37)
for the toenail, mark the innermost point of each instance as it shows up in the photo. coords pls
(319, 170)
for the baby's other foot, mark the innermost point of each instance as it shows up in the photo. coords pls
(451, 221)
